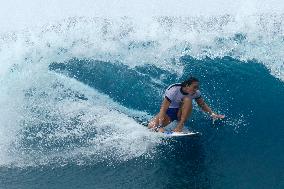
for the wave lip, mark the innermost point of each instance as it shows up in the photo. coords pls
(159, 40)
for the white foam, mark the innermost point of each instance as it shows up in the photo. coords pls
(44, 132)
(15, 14)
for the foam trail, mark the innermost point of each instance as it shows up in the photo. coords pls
(57, 124)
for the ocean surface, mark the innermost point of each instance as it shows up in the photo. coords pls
(75, 95)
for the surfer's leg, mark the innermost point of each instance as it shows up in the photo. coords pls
(155, 121)
(185, 110)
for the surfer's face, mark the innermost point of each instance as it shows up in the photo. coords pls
(191, 89)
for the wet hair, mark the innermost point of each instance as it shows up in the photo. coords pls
(189, 81)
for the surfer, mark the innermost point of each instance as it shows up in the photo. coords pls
(177, 105)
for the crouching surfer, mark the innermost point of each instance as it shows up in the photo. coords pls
(177, 105)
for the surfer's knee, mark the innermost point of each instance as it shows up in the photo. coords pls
(187, 99)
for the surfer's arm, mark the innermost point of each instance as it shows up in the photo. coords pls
(207, 109)
(165, 105)
(201, 103)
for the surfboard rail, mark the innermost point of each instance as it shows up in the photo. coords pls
(179, 134)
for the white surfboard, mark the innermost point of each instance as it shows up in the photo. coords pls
(179, 134)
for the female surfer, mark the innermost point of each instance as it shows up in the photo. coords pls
(177, 105)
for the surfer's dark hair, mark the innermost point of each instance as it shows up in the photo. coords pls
(189, 81)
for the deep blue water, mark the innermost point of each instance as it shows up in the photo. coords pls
(243, 151)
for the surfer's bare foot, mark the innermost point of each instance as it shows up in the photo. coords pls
(161, 130)
(177, 129)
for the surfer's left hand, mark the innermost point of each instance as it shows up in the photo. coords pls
(217, 116)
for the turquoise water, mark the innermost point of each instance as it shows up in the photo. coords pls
(74, 103)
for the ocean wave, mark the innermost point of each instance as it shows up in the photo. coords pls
(48, 113)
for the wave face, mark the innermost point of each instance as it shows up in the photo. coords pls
(75, 94)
